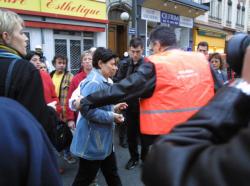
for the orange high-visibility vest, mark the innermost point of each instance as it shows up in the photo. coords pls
(183, 85)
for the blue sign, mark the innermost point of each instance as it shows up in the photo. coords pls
(131, 31)
(171, 19)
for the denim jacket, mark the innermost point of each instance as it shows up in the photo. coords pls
(93, 138)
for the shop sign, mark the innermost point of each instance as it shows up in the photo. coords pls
(131, 31)
(171, 19)
(150, 15)
(186, 22)
(78, 8)
(209, 33)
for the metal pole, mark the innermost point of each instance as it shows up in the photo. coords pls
(134, 16)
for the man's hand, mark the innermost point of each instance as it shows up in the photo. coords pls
(71, 124)
(118, 118)
(246, 66)
(120, 107)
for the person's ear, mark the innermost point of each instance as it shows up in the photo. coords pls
(6, 37)
(100, 63)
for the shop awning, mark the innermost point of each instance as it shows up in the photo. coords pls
(180, 7)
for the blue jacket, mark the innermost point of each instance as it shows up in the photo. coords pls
(93, 138)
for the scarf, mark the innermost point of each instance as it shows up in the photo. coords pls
(7, 52)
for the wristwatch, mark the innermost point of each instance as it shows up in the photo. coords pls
(242, 85)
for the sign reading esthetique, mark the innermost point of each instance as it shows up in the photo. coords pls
(94, 9)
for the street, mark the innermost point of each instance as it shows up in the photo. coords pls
(128, 177)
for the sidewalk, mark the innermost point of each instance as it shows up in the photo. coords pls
(128, 177)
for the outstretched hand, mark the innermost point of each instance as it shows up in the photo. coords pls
(120, 107)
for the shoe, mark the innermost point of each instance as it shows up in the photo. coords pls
(132, 163)
(70, 159)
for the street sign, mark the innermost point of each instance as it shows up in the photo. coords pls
(131, 31)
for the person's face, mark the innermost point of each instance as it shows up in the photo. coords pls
(35, 60)
(87, 62)
(216, 63)
(60, 65)
(155, 46)
(108, 69)
(17, 40)
(136, 53)
(203, 49)
(43, 67)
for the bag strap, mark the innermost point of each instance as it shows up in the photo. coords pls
(8, 77)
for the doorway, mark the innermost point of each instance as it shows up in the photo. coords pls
(117, 38)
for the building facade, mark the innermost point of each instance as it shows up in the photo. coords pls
(62, 27)
(225, 18)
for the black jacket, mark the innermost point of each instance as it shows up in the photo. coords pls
(126, 68)
(26, 87)
(212, 148)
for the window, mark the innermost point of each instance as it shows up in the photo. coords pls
(28, 42)
(238, 14)
(242, 15)
(229, 12)
(219, 8)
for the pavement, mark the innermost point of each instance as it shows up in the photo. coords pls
(128, 177)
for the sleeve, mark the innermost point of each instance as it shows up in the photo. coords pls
(134, 86)
(212, 148)
(97, 115)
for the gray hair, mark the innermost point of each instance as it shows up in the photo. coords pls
(86, 52)
(8, 21)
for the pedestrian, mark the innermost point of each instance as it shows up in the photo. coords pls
(212, 147)
(132, 114)
(48, 86)
(86, 67)
(93, 138)
(24, 83)
(61, 78)
(203, 48)
(216, 60)
(172, 86)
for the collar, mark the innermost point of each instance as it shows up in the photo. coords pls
(8, 52)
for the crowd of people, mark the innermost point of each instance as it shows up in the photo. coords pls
(165, 102)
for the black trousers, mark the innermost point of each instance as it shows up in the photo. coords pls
(88, 169)
(134, 134)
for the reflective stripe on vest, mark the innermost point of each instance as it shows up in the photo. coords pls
(183, 85)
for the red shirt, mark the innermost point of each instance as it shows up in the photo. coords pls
(70, 115)
(49, 90)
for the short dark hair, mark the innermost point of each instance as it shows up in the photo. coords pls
(203, 43)
(102, 54)
(59, 56)
(30, 54)
(217, 56)
(165, 35)
(136, 42)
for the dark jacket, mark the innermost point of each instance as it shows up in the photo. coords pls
(126, 68)
(27, 157)
(212, 148)
(26, 87)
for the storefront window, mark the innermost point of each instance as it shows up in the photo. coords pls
(72, 44)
